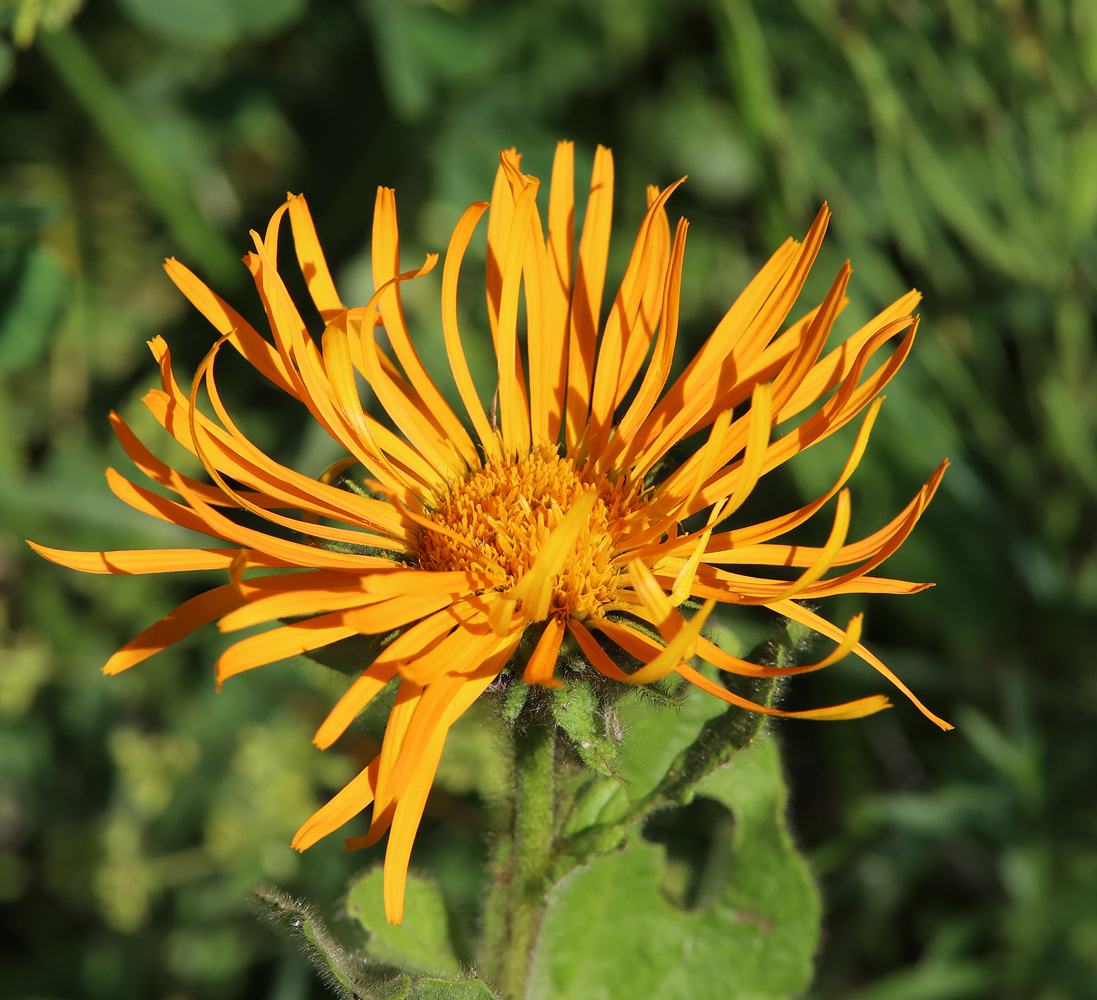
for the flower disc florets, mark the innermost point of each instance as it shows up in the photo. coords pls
(504, 514)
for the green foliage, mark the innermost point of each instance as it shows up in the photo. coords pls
(611, 931)
(355, 978)
(956, 144)
(421, 942)
(213, 24)
(27, 17)
(580, 879)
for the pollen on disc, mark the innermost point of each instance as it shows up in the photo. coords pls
(504, 514)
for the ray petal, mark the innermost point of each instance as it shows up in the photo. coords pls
(372, 681)
(658, 370)
(289, 640)
(798, 613)
(848, 710)
(139, 561)
(190, 615)
(294, 601)
(387, 613)
(542, 662)
(559, 251)
(586, 296)
(513, 407)
(458, 363)
(827, 553)
(595, 654)
(711, 653)
(340, 809)
(257, 351)
(409, 812)
(386, 266)
(310, 257)
(620, 335)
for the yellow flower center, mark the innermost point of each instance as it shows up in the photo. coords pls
(504, 515)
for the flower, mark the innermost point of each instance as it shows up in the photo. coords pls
(551, 518)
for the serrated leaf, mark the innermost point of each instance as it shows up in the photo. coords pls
(610, 932)
(422, 942)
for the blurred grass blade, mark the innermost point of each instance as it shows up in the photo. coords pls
(131, 141)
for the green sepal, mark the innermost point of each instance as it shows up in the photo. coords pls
(589, 723)
(515, 699)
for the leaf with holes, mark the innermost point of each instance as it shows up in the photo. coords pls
(676, 918)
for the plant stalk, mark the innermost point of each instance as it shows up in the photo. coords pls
(516, 903)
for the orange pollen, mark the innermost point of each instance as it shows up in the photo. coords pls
(504, 515)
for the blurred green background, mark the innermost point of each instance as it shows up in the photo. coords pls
(956, 142)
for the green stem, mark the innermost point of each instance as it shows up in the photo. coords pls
(516, 903)
(720, 738)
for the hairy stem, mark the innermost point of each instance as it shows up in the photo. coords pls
(521, 866)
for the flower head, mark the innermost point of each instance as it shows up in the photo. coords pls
(549, 516)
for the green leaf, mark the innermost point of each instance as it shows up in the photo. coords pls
(212, 24)
(428, 988)
(38, 300)
(353, 978)
(422, 942)
(656, 734)
(203, 23)
(610, 932)
(345, 973)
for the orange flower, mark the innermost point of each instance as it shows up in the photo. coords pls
(552, 515)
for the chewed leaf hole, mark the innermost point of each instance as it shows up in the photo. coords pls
(698, 839)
